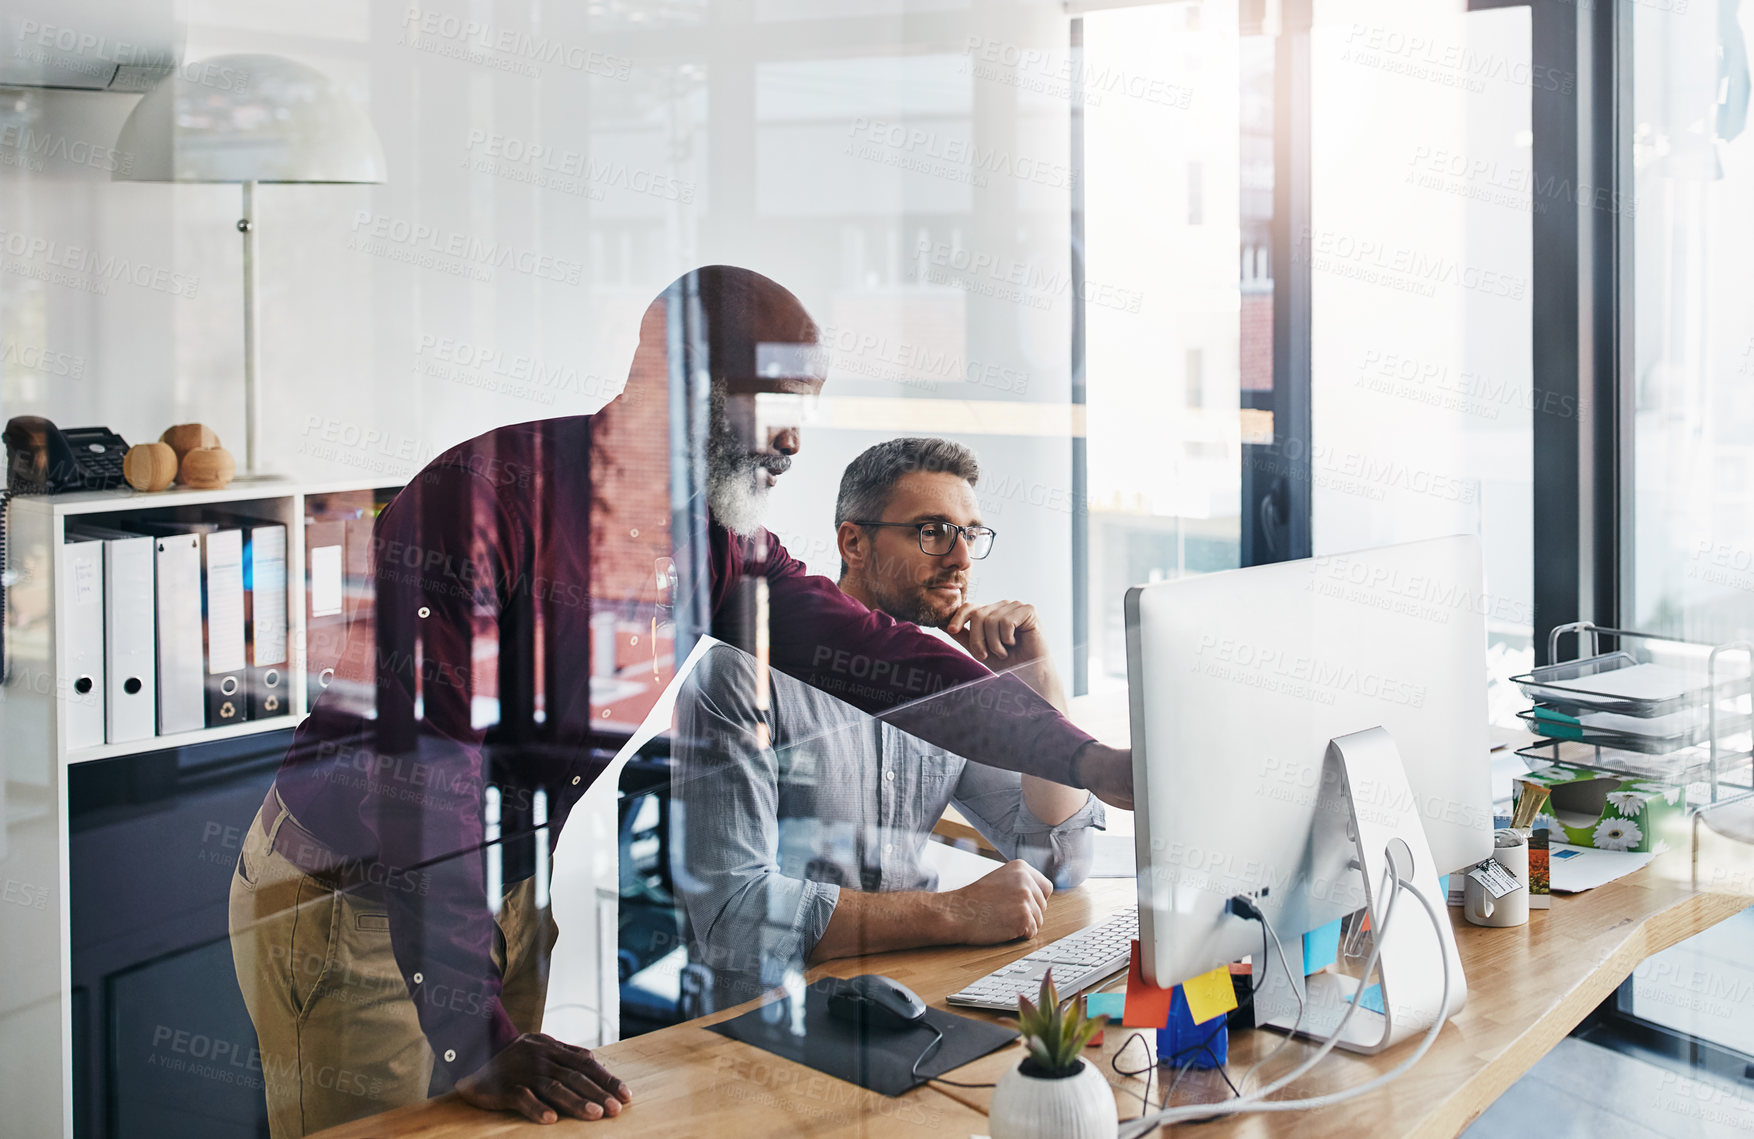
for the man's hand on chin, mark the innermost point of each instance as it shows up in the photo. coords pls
(1007, 631)
(1108, 772)
(544, 1080)
(1007, 636)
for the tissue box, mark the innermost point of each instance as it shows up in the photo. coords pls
(1603, 810)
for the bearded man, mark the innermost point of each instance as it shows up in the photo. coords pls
(375, 967)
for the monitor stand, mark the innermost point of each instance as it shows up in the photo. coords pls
(1365, 791)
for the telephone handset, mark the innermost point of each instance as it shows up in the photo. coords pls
(43, 459)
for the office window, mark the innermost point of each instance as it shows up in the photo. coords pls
(1418, 261)
(1692, 563)
(1419, 252)
(1693, 509)
(1164, 458)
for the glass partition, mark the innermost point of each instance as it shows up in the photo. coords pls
(1691, 573)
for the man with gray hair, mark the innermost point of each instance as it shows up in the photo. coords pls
(802, 823)
(926, 486)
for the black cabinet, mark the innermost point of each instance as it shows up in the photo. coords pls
(162, 1045)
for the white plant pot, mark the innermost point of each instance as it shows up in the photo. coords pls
(1072, 1107)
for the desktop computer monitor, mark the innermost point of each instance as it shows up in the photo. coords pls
(1238, 681)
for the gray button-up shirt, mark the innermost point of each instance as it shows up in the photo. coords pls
(782, 795)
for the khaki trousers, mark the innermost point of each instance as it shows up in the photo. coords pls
(338, 1035)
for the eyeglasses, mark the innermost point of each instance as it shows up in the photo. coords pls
(939, 538)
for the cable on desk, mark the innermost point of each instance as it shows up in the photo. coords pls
(1389, 886)
(1180, 1072)
(1224, 1074)
(1255, 1101)
(1251, 1101)
(1114, 1062)
(1243, 906)
(1296, 991)
(937, 1039)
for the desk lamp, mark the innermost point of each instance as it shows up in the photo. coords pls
(249, 119)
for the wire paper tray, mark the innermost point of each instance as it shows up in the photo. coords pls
(1608, 683)
(1697, 730)
(1639, 708)
(1687, 767)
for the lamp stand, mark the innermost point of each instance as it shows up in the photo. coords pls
(252, 353)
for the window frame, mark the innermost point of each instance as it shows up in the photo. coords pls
(1582, 283)
(1275, 506)
(1582, 301)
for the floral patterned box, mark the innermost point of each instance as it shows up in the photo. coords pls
(1604, 810)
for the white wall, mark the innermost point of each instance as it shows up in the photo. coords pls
(889, 161)
(825, 144)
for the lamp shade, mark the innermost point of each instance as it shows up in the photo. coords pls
(249, 118)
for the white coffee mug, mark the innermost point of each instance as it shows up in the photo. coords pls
(1511, 851)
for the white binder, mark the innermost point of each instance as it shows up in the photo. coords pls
(130, 647)
(223, 605)
(265, 620)
(181, 704)
(81, 684)
(325, 605)
(130, 644)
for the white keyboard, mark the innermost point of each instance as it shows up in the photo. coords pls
(1079, 962)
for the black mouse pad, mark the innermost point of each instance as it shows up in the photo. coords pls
(878, 1059)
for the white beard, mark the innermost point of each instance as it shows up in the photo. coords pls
(737, 482)
(737, 498)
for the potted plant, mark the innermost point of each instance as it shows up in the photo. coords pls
(1054, 1093)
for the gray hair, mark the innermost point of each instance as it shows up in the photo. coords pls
(869, 480)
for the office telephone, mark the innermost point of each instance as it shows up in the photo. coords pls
(43, 459)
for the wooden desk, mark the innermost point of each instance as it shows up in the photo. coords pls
(1528, 987)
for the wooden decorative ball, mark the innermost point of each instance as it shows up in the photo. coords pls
(186, 437)
(207, 468)
(149, 466)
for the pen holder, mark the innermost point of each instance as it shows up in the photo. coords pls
(1496, 892)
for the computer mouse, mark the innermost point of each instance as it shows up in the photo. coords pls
(873, 1000)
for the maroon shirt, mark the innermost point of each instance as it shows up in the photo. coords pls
(486, 537)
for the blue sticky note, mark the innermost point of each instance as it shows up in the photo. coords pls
(1110, 1005)
(1371, 999)
(1321, 947)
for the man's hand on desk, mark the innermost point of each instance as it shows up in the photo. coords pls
(544, 1079)
(1003, 906)
(1108, 772)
